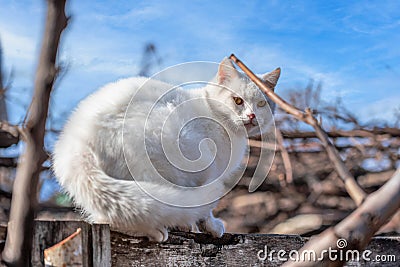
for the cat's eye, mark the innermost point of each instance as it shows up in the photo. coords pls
(261, 103)
(238, 100)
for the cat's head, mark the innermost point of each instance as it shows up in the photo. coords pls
(236, 101)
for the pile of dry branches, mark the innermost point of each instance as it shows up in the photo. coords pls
(373, 210)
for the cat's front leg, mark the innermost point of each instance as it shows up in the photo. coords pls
(212, 225)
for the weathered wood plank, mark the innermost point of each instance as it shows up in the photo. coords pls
(101, 245)
(48, 233)
(188, 249)
(104, 248)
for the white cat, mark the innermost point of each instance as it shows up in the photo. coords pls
(162, 159)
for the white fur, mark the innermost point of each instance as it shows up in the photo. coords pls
(106, 133)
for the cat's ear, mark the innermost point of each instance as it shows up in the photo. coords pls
(271, 78)
(226, 71)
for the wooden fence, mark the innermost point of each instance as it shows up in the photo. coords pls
(102, 247)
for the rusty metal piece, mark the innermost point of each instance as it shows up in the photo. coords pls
(68, 252)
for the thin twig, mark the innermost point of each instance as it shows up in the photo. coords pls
(10, 129)
(285, 157)
(352, 187)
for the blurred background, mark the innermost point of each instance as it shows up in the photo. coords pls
(341, 58)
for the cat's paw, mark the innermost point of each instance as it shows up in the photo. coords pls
(213, 226)
(195, 228)
(159, 235)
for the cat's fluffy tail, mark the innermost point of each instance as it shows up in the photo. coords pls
(121, 203)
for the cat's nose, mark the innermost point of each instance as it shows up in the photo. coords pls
(251, 116)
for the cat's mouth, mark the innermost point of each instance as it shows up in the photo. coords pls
(249, 125)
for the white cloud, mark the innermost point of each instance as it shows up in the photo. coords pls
(112, 67)
(140, 14)
(295, 72)
(17, 46)
(196, 71)
(380, 109)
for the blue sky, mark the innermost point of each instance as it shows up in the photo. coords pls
(352, 47)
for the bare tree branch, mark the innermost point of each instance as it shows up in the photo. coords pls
(24, 201)
(354, 190)
(359, 227)
(394, 132)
